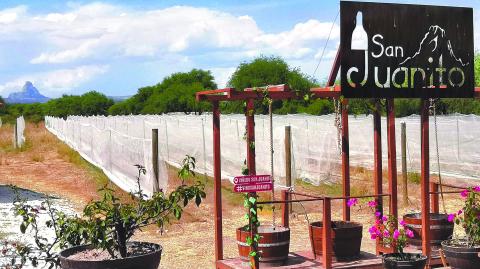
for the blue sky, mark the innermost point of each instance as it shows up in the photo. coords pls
(118, 46)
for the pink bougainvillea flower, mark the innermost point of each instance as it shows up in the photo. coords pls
(386, 233)
(396, 234)
(403, 223)
(372, 203)
(352, 202)
(378, 214)
(409, 233)
(464, 193)
(459, 212)
(451, 217)
(384, 218)
(477, 188)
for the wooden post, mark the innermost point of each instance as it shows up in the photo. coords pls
(156, 175)
(327, 233)
(345, 160)
(217, 183)
(285, 208)
(288, 161)
(392, 158)
(425, 180)
(377, 158)
(404, 164)
(434, 203)
(250, 120)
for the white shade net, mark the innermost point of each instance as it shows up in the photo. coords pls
(117, 143)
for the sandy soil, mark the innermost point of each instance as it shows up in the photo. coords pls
(46, 166)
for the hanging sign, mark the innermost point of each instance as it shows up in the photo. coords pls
(409, 51)
(253, 183)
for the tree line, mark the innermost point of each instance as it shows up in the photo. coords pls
(176, 93)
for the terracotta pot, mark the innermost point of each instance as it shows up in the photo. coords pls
(274, 244)
(461, 257)
(440, 228)
(147, 261)
(346, 236)
(413, 261)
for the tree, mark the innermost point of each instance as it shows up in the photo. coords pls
(263, 71)
(176, 93)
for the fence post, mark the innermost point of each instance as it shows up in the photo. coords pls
(404, 164)
(327, 233)
(288, 160)
(156, 175)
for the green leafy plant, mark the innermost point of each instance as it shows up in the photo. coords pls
(44, 250)
(109, 224)
(468, 217)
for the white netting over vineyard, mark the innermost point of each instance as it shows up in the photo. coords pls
(116, 143)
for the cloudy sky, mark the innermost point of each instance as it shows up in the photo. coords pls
(118, 46)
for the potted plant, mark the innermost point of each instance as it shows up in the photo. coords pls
(273, 241)
(463, 252)
(346, 237)
(101, 236)
(385, 229)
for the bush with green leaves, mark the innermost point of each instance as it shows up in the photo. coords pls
(107, 224)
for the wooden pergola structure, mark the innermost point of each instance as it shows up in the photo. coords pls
(282, 92)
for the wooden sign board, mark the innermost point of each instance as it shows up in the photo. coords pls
(406, 51)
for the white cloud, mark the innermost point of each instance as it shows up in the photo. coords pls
(222, 75)
(100, 30)
(56, 81)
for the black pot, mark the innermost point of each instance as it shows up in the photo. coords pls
(146, 261)
(460, 256)
(412, 261)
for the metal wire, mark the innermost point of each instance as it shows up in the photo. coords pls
(326, 42)
(434, 109)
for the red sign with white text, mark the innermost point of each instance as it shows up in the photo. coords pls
(253, 179)
(253, 187)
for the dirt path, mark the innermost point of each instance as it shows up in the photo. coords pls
(47, 165)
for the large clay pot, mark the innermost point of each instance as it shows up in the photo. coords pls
(411, 261)
(346, 236)
(460, 256)
(147, 261)
(274, 243)
(440, 228)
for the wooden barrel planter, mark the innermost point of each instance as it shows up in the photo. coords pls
(346, 237)
(274, 244)
(461, 256)
(440, 228)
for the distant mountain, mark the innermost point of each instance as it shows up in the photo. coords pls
(119, 98)
(29, 94)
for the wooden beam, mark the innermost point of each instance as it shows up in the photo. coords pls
(217, 183)
(377, 162)
(285, 208)
(434, 203)
(327, 233)
(345, 160)
(425, 179)
(250, 120)
(392, 157)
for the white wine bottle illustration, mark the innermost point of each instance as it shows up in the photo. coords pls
(359, 42)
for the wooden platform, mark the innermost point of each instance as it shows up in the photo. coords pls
(305, 260)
